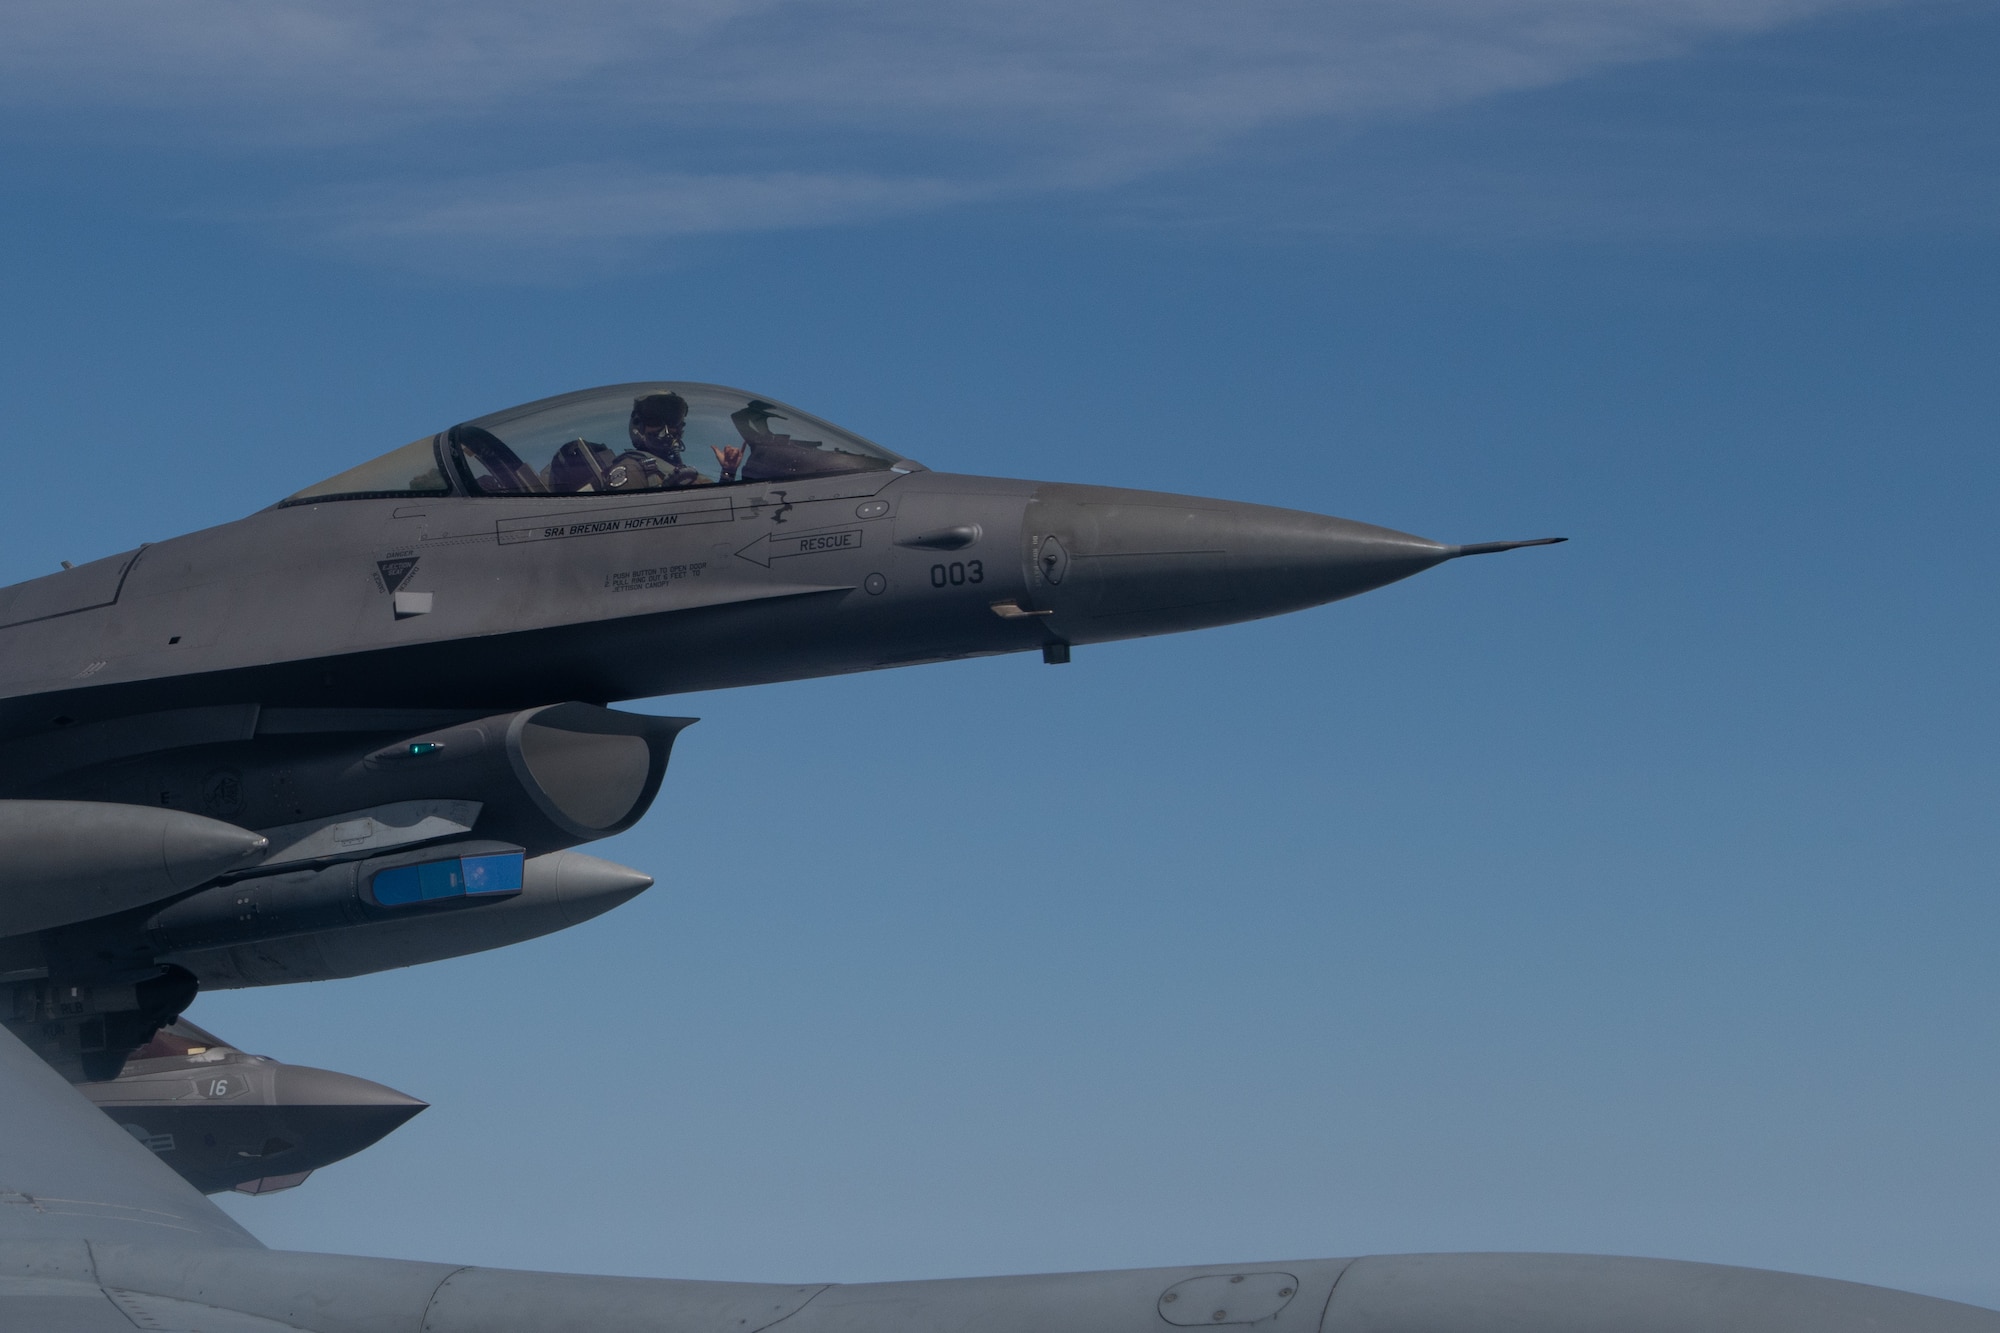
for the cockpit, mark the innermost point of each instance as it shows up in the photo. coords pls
(625, 438)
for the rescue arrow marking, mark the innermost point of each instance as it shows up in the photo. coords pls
(768, 548)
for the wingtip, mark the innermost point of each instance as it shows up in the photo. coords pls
(1489, 548)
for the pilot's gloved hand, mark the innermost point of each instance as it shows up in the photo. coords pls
(730, 459)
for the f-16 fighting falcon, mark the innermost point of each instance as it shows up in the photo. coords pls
(369, 726)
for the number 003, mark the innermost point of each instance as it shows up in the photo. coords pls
(957, 573)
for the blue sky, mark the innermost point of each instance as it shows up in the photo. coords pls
(1634, 896)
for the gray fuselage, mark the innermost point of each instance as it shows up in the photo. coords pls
(494, 602)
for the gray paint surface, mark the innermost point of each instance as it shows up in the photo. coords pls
(659, 581)
(1557, 1293)
(225, 1119)
(69, 861)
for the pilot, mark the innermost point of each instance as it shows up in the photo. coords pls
(658, 422)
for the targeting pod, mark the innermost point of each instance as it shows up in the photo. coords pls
(356, 917)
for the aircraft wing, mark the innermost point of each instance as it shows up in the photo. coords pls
(98, 1236)
(71, 1179)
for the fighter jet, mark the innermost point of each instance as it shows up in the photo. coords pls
(367, 727)
(227, 1120)
(368, 724)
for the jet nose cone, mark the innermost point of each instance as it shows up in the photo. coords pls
(302, 1085)
(586, 886)
(326, 1116)
(1114, 564)
(1285, 559)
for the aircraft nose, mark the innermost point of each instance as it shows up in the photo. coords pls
(329, 1116)
(1285, 559)
(1117, 563)
(302, 1085)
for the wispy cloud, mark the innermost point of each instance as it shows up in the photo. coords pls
(318, 67)
(725, 115)
(619, 204)
(592, 217)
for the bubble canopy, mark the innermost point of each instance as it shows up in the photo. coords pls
(620, 439)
